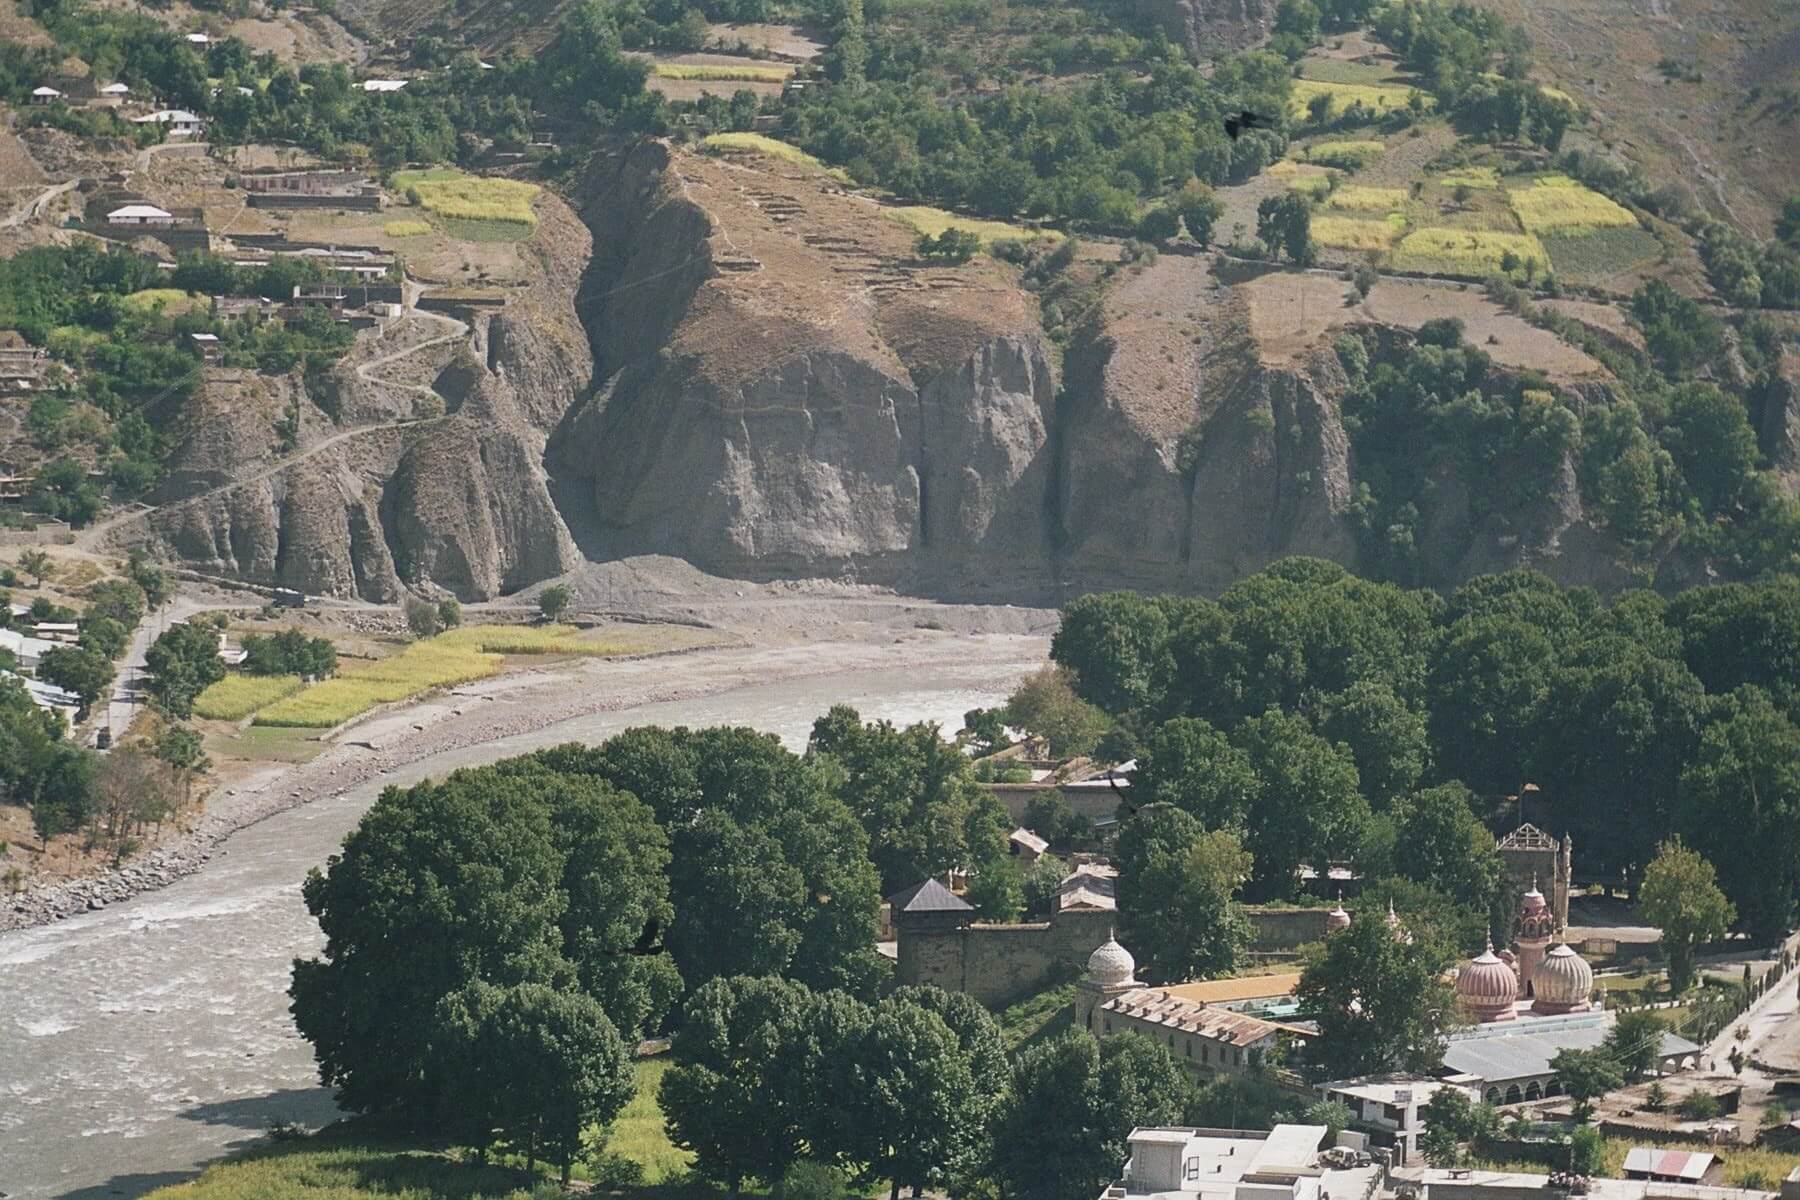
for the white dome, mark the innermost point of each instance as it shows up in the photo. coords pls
(1111, 965)
(1563, 981)
(1337, 918)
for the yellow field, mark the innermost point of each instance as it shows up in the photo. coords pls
(174, 301)
(1351, 233)
(924, 219)
(748, 72)
(456, 196)
(406, 228)
(1471, 252)
(1377, 97)
(457, 657)
(1556, 204)
(1368, 199)
(1351, 154)
(1472, 177)
(761, 145)
(237, 696)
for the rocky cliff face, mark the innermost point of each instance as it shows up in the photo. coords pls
(1207, 27)
(419, 464)
(784, 394)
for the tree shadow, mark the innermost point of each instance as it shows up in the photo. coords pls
(311, 1107)
(129, 1185)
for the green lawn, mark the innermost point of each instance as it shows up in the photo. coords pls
(1038, 1017)
(347, 1168)
(639, 1133)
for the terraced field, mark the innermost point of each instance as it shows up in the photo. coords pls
(1473, 253)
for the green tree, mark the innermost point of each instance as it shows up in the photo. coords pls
(953, 246)
(1060, 1133)
(1587, 1151)
(151, 579)
(554, 601)
(1200, 210)
(1045, 704)
(1488, 685)
(62, 790)
(1709, 436)
(1042, 883)
(104, 636)
(1284, 223)
(1380, 1001)
(1445, 846)
(1194, 767)
(914, 794)
(1387, 737)
(1308, 807)
(422, 618)
(733, 1094)
(1450, 1119)
(38, 565)
(85, 672)
(1586, 1075)
(986, 730)
(181, 664)
(1116, 645)
(919, 1096)
(1740, 806)
(1177, 888)
(1048, 815)
(440, 885)
(117, 599)
(538, 1067)
(449, 612)
(1680, 895)
(997, 891)
(181, 749)
(1635, 1043)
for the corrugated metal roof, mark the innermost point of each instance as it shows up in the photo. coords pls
(1155, 1006)
(1502, 1058)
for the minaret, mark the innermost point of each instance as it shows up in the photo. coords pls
(1536, 928)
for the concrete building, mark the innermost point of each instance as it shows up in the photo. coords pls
(1285, 1163)
(1431, 1183)
(176, 122)
(1386, 1107)
(27, 651)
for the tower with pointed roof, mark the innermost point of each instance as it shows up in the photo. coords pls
(1536, 929)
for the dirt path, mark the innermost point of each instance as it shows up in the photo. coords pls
(457, 329)
(30, 211)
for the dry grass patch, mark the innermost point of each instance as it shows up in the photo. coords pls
(1485, 178)
(1473, 253)
(1310, 185)
(759, 144)
(1353, 233)
(237, 696)
(1556, 204)
(174, 301)
(401, 229)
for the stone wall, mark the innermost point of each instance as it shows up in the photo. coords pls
(997, 964)
(1282, 931)
(1090, 802)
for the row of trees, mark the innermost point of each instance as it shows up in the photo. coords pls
(628, 871)
(1307, 709)
(918, 1089)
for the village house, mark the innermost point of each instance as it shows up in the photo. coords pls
(140, 214)
(383, 85)
(1433, 1183)
(114, 94)
(1025, 845)
(46, 695)
(206, 345)
(1386, 1107)
(26, 650)
(176, 122)
(45, 94)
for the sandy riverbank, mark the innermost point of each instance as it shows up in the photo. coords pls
(504, 707)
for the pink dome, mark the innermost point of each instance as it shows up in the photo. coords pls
(1337, 918)
(1562, 983)
(1488, 987)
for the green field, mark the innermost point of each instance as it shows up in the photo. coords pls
(1340, 70)
(174, 301)
(761, 145)
(331, 1170)
(237, 696)
(1349, 155)
(1471, 253)
(406, 228)
(639, 1133)
(1368, 199)
(1602, 252)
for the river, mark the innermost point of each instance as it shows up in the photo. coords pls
(143, 1040)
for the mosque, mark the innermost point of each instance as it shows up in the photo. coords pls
(1523, 1004)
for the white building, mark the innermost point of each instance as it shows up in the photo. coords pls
(1228, 1164)
(27, 650)
(1207, 1040)
(140, 214)
(45, 695)
(198, 39)
(1387, 1107)
(383, 85)
(179, 121)
(115, 91)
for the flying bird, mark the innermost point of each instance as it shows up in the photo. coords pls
(1239, 122)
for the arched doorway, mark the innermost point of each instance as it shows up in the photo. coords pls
(1513, 1096)
(1533, 1091)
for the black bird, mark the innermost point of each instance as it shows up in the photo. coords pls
(1239, 122)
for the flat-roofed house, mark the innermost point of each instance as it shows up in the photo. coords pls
(140, 214)
(1284, 1163)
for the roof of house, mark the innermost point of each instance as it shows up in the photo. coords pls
(45, 695)
(199, 39)
(24, 645)
(383, 85)
(46, 90)
(1228, 991)
(138, 210)
(167, 116)
(1388, 1089)
(204, 337)
(1688, 1166)
(1157, 1007)
(929, 896)
(1029, 840)
(1092, 885)
(115, 89)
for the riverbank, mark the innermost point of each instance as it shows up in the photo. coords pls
(469, 717)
